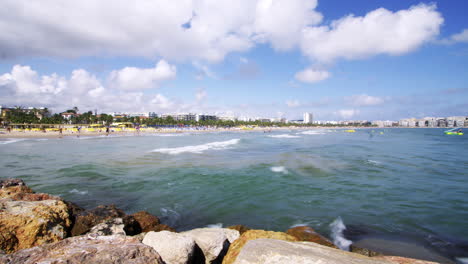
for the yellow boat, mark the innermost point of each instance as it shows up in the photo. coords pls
(350, 131)
(453, 132)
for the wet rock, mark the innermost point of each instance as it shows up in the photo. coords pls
(85, 220)
(147, 221)
(241, 228)
(364, 251)
(11, 182)
(24, 224)
(305, 233)
(214, 242)
(236, 247)
(174, 248)
(87, 249)
(402, 260)
(162, 227)
(110, 227)
(274, 251)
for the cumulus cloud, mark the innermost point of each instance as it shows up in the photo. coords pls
(132, 78)
(461, 37)
(312, 76)
(347, 113)
(200, 95)
(293, 103)
(364, 100)
(24, 86)
(378, 32)
(203, 71)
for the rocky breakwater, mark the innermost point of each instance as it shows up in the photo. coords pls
(40, 228)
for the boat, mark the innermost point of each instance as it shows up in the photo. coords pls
(350, 131)
(453, 132)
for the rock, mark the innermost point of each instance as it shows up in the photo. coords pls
(85, 220)
(162, 227)
(236, 247)
(214, 242)
(24, 224)
(403, 260)
(110, 227)
(87, 249)
(147, 221)
(278, 252)
(11, 182)
(364, 251)
(240, 228)
(305, 233)
(174, 248)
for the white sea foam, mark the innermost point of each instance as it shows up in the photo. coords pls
(170, 135)
(279, 169)
(374, 162)
(284, 136)
(11, 140)
(199, 148)
(217, 225)
(78, 192)
(312, 132)
(337, 228)
(462, 260)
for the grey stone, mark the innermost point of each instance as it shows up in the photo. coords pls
(214, 242)
(174, 248)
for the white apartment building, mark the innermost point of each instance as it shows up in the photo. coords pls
(308, 118)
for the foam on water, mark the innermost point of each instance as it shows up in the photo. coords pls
(11, 140)
(312, 132)
(217, 225)
(462, 260)
(284, 136)
(279, 169)
(337, 228)
(373, 162)
(170, 135)
(199, 148)
(78, 192)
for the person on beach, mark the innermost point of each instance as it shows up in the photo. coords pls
(107, 131)
(9, 129)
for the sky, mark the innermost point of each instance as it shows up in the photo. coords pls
(340, 60)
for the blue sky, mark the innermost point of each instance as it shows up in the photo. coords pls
(341, 60)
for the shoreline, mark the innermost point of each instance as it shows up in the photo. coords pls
(106, 227)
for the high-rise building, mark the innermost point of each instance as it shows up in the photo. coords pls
(308, 118)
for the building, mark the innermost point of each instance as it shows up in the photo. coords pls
(181, 116)
(308, 118)
(201, 117)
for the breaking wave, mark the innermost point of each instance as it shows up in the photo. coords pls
(337, 228)
(199, 148)
(312, 132)
(284, 136)
(279, 169)
(12, 140)
(78, 192)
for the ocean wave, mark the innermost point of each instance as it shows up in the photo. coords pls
(170, 135)
(78, 192)
(11, 140)
(279, 169)
(284, 136)
(217, 225)
(199, 148)
(337, 228)
(312, 132)
(373, 162)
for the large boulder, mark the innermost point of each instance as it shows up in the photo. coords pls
(174, 248)
(236, 247)
(25, 224)
(87, 249)
(110, 227)
(147, 221)
(85, 220)
(305, 233)
(274, 251)
(214, 242)
(241, 228)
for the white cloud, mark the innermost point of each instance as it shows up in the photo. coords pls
(131, 78)
(293, 103)
(200, 95)
(378, 32)
(347, 113)
(203, 71)
(312, 76)
(364, 100)
(161, 102)
(461, 37)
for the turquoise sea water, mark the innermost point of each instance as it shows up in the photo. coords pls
(409, 183)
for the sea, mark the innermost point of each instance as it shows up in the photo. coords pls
(398, 191)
